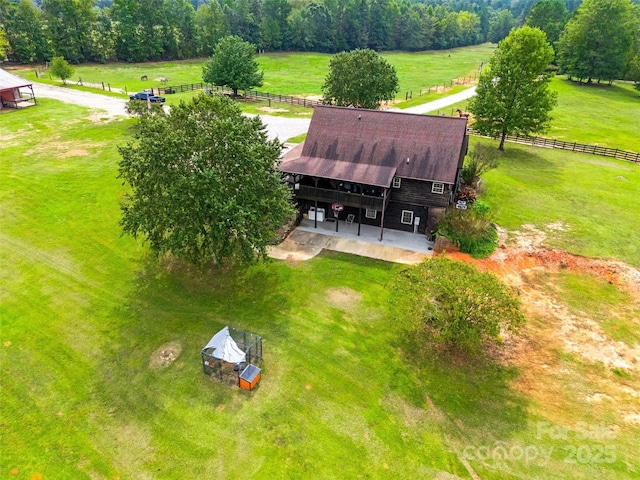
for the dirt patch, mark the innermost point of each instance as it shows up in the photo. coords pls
(632, 418)
(73, 152)
(523, 251)
(65, 149)
(521, 254)
(165, 354)
(343, 298)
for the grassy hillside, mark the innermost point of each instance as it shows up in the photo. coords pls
(85, 315)
(300, 74)
(590, 196)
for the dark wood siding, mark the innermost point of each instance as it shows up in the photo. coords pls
(418, 192)
(393, 217)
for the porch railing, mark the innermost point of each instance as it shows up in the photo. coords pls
(347, 199)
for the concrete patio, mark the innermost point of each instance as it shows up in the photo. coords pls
(306, 241)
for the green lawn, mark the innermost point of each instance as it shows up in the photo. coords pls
(343, 393)
(606, 115)
(592, 196)
(298, 74)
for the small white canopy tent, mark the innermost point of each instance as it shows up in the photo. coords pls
(228, 351)
(225, 348)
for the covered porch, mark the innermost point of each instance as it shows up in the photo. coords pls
(305, 242)
(370, 234)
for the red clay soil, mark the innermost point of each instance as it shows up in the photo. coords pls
(527, 253)
(560, 327)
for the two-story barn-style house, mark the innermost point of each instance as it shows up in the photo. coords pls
(388, 169)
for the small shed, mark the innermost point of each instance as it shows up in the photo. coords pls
(231, 354)
(13, 91)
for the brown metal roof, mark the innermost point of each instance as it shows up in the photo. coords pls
(376, 175)
(371, 146)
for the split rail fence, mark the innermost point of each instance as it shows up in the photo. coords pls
(571, 146)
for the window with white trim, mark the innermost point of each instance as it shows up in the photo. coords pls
(396, 182)
(370, 213)
(437, 188)
(407, 217)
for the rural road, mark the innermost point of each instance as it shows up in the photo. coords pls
(442, 102)
(280, 127)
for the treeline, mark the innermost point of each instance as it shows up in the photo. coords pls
(145, 30)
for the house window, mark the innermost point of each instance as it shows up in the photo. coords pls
(370, 213)
(407, 217)
(396, 182)
(437, 188)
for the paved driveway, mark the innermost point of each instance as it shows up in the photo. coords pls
(111, 107)
(281, 127)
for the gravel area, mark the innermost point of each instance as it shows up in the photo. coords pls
(442, 102)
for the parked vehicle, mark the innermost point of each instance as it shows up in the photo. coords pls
(146, 95)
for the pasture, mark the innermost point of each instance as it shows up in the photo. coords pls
(85, 314)
(595, 114)
(298, 74)
(605, 115)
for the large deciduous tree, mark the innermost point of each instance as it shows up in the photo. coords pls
(4, 44)
(233, 65)
(513, 95)
(597, 41)
(361, 78)
(500, 25)
(550, 16)
(68, 26)
(211, 25)
(454, 306)
(204, 183)
(25, 32)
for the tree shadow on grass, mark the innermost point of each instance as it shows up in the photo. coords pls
(473, 393)
(252, 297)
(180, 304)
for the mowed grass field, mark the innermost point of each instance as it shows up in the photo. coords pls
(604, 115)
(289, 73)
(590, 196)
(344, 394)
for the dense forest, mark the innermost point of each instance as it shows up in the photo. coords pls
(143, 30)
